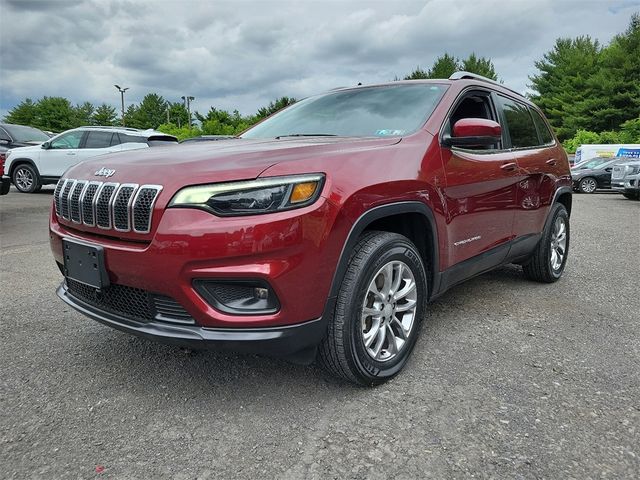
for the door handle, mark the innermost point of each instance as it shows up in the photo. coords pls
(508, 166)
(71, 153)
(552, 162)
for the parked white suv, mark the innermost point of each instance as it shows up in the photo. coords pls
(31, 167)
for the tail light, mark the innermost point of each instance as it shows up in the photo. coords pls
(3, 157)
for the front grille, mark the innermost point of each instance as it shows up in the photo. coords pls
(618, 172)
(132, 303)
(123, 207)
(74, 204)
(103, 205)
(64, 199)
(121, 202)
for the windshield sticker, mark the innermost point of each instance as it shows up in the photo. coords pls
(389, 132)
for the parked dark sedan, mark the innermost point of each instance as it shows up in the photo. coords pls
(13, 136)
(595, 173)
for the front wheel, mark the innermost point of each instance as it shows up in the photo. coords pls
(26, 179)
(588, 185)
(632, 196)
(375, 323)
(550, 256)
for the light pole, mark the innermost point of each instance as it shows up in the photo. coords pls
(122, 90)
(187, 101)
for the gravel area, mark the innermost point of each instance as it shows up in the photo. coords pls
(510, 379)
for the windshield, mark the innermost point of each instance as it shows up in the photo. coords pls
(593, 163)
(390, 110)
(23, 134)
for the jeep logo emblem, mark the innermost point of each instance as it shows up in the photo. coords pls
(105, 172)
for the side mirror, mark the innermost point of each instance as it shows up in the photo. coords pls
(4, 141)
(45, 146)
(608, 169)
(473, 132)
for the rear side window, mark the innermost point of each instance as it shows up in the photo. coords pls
(543, 130)
(520, 124)
(98, 139)
(124, 138)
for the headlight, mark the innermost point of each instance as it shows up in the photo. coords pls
(264, 195)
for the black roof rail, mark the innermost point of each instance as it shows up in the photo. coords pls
(112, 127)
(462, 75)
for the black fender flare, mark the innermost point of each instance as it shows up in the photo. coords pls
(556, 195)
(20, 161)
(361, 224)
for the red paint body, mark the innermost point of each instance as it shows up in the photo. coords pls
(469, 193)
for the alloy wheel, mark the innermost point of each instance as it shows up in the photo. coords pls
(558, 243)
(389, 310)
(24, 179)
(588, 185)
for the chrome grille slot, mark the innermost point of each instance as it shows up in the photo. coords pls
(64, 198)
(74, 201)
(56, 194)
(86, 203)
(123, 207)
(103, 205)
(143, 207)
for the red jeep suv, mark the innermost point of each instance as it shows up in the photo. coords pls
(322, 232)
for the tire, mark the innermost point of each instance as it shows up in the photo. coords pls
(588, 185)
(544, 266)
(632, 196)
(343, 352)
(26, 179)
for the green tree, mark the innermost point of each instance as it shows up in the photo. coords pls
(105, 115)
(56, 114)
(479, 65)
(84, 114)
(563, 81)
(131, 117)
(612, 94)
(630, 131)
(151, 112)
(25, 113)
(580, 138)
(273, 107)
(178, 114)
(417, 74)
(444, 66)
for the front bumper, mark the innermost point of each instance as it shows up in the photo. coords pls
(627, 185)
(290, 251)
(274, 341)
(5, 185)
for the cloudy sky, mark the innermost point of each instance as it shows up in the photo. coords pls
(243, 54)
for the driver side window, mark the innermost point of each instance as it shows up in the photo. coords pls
(476, 104)
(67, 141)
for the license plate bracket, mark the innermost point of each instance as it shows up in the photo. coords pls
(84, 263)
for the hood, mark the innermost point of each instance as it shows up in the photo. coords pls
(579, 172)
(220, 161)
(28, 147)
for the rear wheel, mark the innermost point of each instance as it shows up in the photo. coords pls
(26, 179)
(550, 256)
(374, 325)
(588, 185)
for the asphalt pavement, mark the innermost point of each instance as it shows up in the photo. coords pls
(509, 379)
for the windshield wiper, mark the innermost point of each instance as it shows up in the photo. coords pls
(307, 135)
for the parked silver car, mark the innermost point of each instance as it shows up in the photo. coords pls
(625, 178)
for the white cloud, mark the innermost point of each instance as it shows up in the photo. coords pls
(244, 54)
